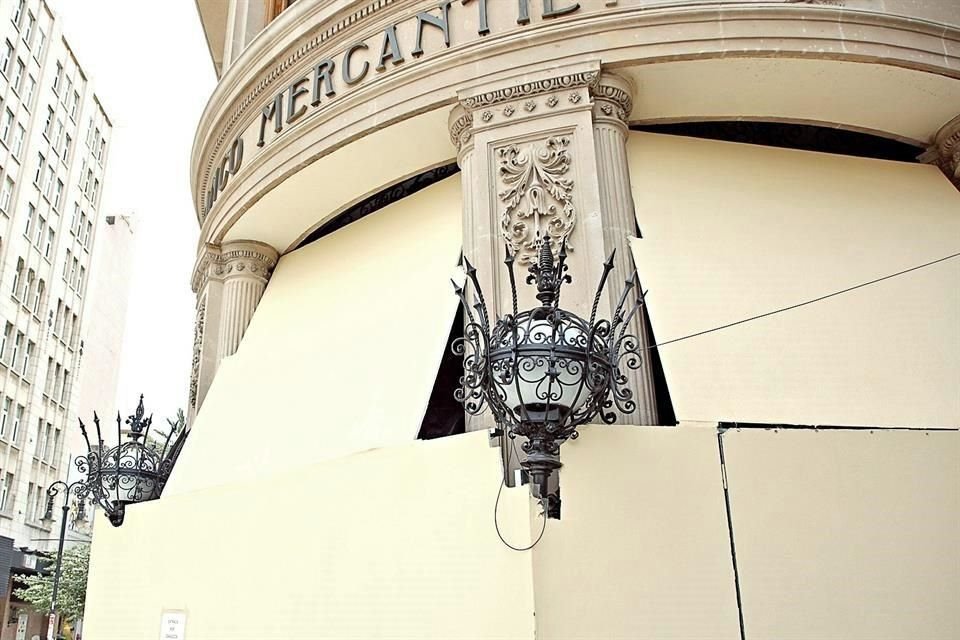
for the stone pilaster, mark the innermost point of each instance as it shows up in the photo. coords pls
(612, 103)
(545, 152)
(945, 151)
(229, 281)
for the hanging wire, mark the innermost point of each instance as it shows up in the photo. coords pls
(802, 304)
(496, 505)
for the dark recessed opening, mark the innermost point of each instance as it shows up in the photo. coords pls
(793, 136)
(445, 416)
(381, 199)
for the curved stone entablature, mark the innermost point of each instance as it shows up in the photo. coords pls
(298, 95)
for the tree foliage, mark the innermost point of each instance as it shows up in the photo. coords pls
(38, 588)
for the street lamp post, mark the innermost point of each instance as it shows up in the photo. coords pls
(81, 491)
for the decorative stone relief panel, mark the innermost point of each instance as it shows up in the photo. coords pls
(536, 194)
(197, 351)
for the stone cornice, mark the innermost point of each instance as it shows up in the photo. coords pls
(807, 31)
(533, 88)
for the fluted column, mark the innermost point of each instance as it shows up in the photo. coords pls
(612, 102)
(945, 151)
(476, 238)
(247, 267)
(229, 282)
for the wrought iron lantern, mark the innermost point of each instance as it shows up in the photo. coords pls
(545, 371)
(135, 470)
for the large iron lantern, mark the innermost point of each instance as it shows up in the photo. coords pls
(545, 371)
(135, 470)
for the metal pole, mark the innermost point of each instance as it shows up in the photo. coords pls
(56, 572)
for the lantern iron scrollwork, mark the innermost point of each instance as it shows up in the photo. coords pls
(545, 371)
(136, 470)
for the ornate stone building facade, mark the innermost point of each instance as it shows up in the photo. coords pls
(778, 174)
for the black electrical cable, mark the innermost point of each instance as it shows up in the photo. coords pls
(801, 304)
(496, 524)
(496, 505)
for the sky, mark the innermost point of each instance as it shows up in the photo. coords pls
(149, 64)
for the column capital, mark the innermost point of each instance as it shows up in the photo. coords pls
(945, 151)
(612, 99)
(237, 258)
(248, 259)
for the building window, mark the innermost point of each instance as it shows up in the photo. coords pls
(57, 78)
(7, 332)
(17, 275)
(18, 75)
(58, 136)
(18, 140)
(17, 343)
(28, 31)
(31, 87)
(47, 437)
(7, 126)
(18, 416)
(81, 280)
(96, 190)
(5, 491)
(102, 150)
(66, 92)
(31, 211)
(48, 125)
(66, 146)
(66, 388)
(5, 58)
(5, 416)
(48, 248)
(88, 235)
(73, 270)
(49, 381)
(6, 193)
(18, 13)
(66, 265)
(56, 447)
(41, 442)
(48, 185)
(58, 382)
(41, 43)
(41, 162)
(74, 104)
(58, 324)
(27, 286)
(38, 296)
(41, 227)
(57, 194)
(31, 515)
(27, 355)
(276, 7)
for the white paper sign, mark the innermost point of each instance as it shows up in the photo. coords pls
(173, 624)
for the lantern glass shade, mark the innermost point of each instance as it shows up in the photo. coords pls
(130, 473)
(539, 367)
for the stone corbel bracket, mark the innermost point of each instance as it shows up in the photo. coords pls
(945, 151)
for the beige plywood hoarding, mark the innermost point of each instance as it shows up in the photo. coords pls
(641, 549)
(732, 231)
(343, 350)
(395, 544)
(846, 534)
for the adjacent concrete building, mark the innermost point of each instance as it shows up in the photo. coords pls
(784, 178)
(54, 142)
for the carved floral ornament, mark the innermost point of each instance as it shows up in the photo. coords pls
(197, 350)
(537, 195)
